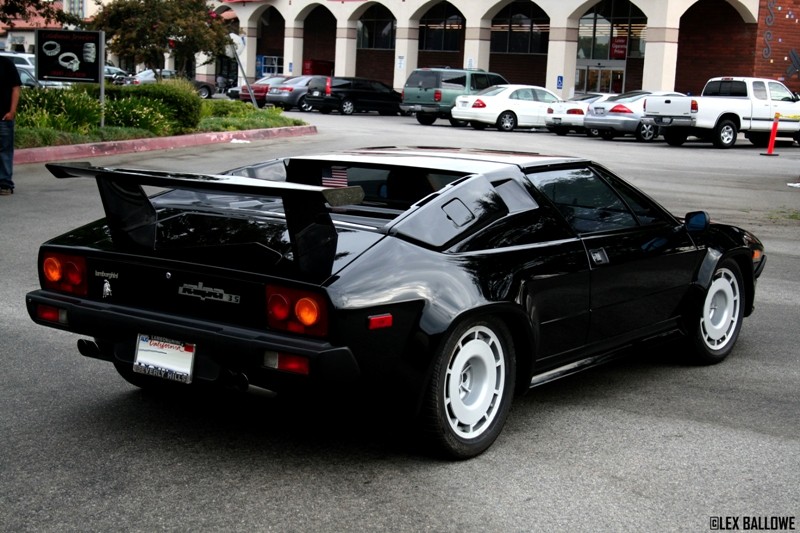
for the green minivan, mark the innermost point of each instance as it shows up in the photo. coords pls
(430, 93)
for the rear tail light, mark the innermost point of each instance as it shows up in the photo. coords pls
(65, 273)
(296, 311)
(327, 86)
(478, 104)
(550, 111)
(694, 106)
(575, 111)
(437, 95)
(286, 89)
(619, 108)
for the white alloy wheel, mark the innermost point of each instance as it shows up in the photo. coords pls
(474, 382)
(721, 310)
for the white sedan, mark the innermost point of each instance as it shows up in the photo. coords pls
(564, 117)
(505, 106)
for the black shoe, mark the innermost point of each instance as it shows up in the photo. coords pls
(6, 192)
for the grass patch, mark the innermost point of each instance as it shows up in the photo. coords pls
(784, 214)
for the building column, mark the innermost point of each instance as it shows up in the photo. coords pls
(293, 51)
(248, 56)
(477, 46)
(660, 59)
(406, 51)
(562, 53)
(345, 57)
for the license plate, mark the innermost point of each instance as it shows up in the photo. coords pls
(664, 120)
(314, 93)
(556, 121)
(599, 111)
(164, 358)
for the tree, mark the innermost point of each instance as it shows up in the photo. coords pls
(16, 10)
(145, 30)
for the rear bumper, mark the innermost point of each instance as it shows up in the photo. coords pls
(218, 346)
(683, 122)
(432, 109)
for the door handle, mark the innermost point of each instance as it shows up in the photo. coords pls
(599, 256)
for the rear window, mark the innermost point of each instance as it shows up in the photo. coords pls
(725, 88)
(423, 79)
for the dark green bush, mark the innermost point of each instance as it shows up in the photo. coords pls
(67, 109)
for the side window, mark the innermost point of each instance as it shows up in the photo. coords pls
(760, 90)
(778, 92)
(544, 96)
(587, 202)
(454, 80)
(645, 210)
(494, 79)
(522, 94)
(479, 81)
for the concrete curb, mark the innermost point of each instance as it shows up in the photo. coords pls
(78, 151)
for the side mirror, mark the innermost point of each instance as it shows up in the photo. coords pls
(696, 221)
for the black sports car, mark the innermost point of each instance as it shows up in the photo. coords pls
(457, 276)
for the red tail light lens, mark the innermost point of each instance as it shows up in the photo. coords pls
(286, 89)
(619, 108)
(694, 106)
(575, 112)
(65, 273)
(549, 110)
(478, 104)
(296, 311)
(327, 86)
(437, 95)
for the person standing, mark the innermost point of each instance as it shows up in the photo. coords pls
(9, 98)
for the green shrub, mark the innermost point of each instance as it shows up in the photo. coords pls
(139, 113)
(225, 108)
(69, 110)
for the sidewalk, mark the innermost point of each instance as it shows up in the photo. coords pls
(78, 151)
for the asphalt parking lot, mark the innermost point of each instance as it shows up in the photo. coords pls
(645, 444)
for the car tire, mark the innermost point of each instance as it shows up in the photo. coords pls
(717, 322)
(204, 91)
(325, 110)
(458, 123)
(646, 132)
(302, 105)
(507, 121)
(606, 135)
(759, 139)
(478, 125)
(592, 132)
(347, 107)
(561, 132)
(469, 395)
(426, 119)
(725, 134)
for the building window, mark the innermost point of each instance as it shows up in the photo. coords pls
(75, 7)
(376, 28)
(520, 28)
(441, 29)
(612, 29)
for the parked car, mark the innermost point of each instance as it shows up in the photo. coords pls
(291, 93)
(443, 280)
(348, 95)
(622, 115)
(27, 77)
(430, 93)
(260, 89)
(506, 107)
(29, 72)
(204, 90)
(115, 75)
(20, 58)
(563, 117)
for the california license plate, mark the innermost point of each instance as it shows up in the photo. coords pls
(664, 120)
(314, 93)
(556, 120)
(164, 358)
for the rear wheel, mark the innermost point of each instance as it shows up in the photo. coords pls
(457, 123)
(561, 132)
(718, 322)
(592, 132)
(759, 139)
(347, 107)
(507, 121)
(725, 134)
(470, 392)
(426, 119)
(204, 91)
(646, 132)
(302, 105)
(606, 134)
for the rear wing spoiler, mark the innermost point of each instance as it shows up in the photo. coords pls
(132, 217)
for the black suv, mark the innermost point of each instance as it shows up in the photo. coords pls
(348, 95)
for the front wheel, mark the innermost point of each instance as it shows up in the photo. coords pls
(347, 107)
(717, 327)
(425, 119)
(507, 121)
(204, 92)
(725, 134)
(470, 392)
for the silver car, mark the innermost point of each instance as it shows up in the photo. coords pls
(291, 93)
(622, 115)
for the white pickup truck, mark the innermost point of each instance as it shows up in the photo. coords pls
(727, 106)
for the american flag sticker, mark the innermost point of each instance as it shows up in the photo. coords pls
(336, 178)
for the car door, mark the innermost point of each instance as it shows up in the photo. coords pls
(523, 103)
(544, 99)
(642, 259)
